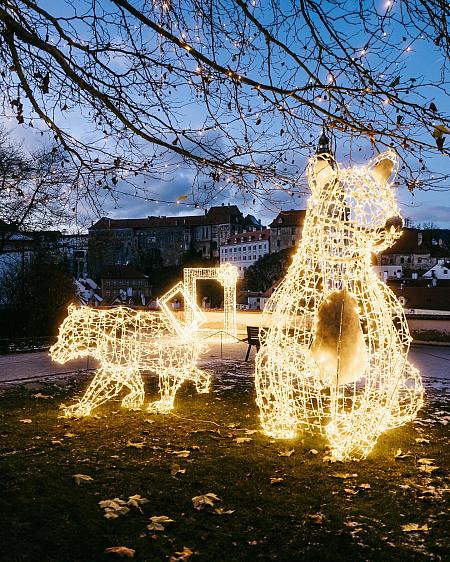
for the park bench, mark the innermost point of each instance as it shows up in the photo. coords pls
(252, 339)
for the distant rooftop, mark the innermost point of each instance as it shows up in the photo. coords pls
(294, 217)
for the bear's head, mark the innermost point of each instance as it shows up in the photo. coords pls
(359, 203)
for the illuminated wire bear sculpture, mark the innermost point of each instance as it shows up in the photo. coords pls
(127, 342)
(334, 354)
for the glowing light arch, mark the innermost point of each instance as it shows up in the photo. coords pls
(334, 355)
(227, 275)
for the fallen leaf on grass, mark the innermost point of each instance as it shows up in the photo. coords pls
(422, 440)
(114, 508)
(399, 454)
(329, 458)
(27, 420)
(411, 527)
(70, 434)
(79, 478)
(200, 502)
(286, 453)
(185, 554)
(222, 511)
(276, 480)
(343, 475)
(313, 451)
(158, 522)
(316, 518)
(181, 454)
(56, 442)
(240, 440)
(428, 469)
(176, 469)
(121, 550)
(364, 486)
(426, 461)
(350, 491)
(136, 501)
(40, 395)
(251, 431)
(149, 421)
(139, 445)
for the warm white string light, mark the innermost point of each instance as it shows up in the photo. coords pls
(227, 275)
(334, 355)
(126, 342)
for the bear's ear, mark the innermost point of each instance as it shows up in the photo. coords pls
(384, 167)
(322, 169)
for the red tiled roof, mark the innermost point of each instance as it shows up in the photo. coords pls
(215, 215)
(294, 217)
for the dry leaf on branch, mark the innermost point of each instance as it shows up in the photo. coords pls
(121, 551)
(240, 440)
(411, 527)
(158, 522)
(200, 502)
(286, 453)
(185, 554)
(79, 478)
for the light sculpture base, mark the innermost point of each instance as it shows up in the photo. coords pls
(334, 355)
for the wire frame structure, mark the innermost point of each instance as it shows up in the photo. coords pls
(334, 354)
(227, 275)
(126, 342)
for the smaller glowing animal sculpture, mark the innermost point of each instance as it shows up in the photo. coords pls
(126, 342)
(334, 355)
(227, 275)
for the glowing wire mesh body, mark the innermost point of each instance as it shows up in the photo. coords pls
(227, 275)
(334, 354)
(126, 342)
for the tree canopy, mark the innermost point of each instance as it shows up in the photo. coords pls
(233, 90)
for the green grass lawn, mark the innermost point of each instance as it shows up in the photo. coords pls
(309, 512)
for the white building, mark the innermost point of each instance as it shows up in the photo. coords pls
(385, 272)
(245, 249)
(439, 271)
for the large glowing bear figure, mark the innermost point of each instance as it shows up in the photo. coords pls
(334, 353)
(127, 342)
